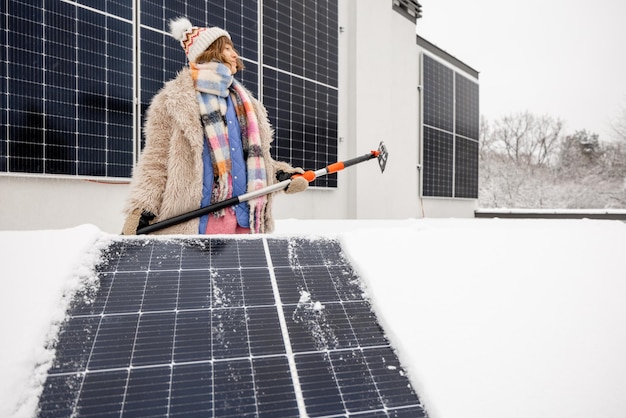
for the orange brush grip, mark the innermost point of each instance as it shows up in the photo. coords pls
(308, 175)
(333, 168)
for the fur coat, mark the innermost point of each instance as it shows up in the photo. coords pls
(167, 180)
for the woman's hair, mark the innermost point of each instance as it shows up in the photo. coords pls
(214, 52)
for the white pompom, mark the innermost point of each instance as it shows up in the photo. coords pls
(178, 27)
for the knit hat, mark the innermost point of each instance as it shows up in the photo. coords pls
(193, 39)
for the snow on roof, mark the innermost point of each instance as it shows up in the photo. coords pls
(491, 317)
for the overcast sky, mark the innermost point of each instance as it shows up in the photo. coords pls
(565, 59)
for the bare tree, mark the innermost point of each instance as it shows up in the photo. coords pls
(546, 135)
(527, 162)
(615, 160)
(619, 126)
(526, 138)
(485, 139)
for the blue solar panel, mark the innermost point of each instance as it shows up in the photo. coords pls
(438, 95)
(300, 55)
(466, 107)
(466, 173)
(438, 163)
(67, 106)
(261, 327)
(69, 98)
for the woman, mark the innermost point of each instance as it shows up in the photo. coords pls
(207, 139)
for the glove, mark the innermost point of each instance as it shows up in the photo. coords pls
(298, 184)
(137, 220)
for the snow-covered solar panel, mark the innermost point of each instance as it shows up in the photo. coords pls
(264, 327)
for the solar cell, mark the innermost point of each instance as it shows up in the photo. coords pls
(261, 327)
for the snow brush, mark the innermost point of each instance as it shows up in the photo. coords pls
(380, 154)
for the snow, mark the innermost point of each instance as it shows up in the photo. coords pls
(490, 317)
(41, 270)
(544, 211)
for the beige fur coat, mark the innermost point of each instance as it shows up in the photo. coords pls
(167, 180)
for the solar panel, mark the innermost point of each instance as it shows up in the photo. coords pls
(438, 95)
(72, 71)
(264, 327)
(451, 129)
(438, 162)
(467, 132)
(68, 77)
(466, 173)
(466, 107)
(300, 56)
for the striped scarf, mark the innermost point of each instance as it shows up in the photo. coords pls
(213, 83)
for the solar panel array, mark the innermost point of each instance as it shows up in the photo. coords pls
(225, 327)
(300, 56)
(67, 78)
(71, 71)
(451, 130)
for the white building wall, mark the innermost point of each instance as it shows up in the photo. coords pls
(384, 63)
(31, 203)
(378, 101)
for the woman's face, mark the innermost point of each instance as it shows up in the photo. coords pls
(230, 58)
